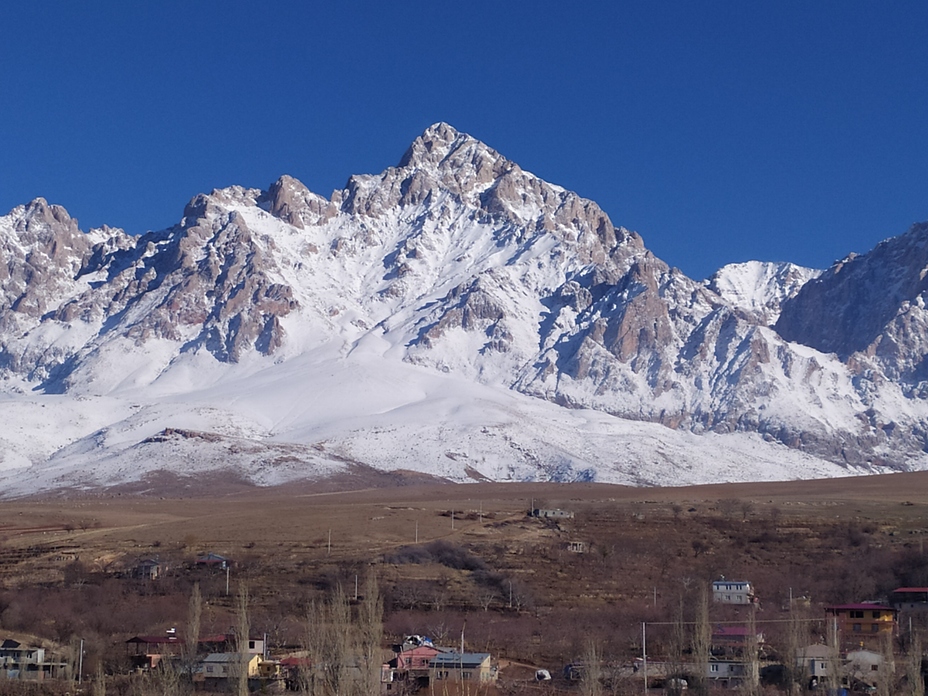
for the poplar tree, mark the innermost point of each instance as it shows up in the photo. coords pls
(192, 637)
(701, 642)
(241, 635)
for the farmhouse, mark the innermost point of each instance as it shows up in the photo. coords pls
(148, 569)
(732, 592)
(213, 560)
(864, 619)
(814, 659)
(730, 673)
(226, 665)
(909, 598)
(733, 637)
(552, 514)
(455, 666)
(18, 661)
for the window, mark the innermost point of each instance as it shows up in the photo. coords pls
(713, 668)
(876, 615)
(209, 668)
(857, 615)
(874, 628)
(857, 628)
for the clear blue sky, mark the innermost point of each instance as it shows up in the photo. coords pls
(721, 131)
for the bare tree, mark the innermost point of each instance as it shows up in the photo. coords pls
(727, 507)
(751, 684)
(241, 635)
(675, 650)
(913, 668)
(834, 655)
(369, 635)
(702, 642)
(330, 641)
(797, 637)
(591, 685)
(99, 682)
(163, 681)
(192, 637)
(886, 672)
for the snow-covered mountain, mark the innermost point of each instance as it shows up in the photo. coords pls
(760, 288)
(455, 316)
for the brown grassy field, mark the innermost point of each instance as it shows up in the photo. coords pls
(508, 578)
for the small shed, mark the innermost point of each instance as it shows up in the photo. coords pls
(213, 560)
(148, 569)
(552, 514)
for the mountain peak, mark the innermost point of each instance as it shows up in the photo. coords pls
(39, 210)
(436, 144)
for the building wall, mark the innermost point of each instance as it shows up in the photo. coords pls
(865, 621)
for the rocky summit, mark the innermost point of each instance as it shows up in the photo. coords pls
(455, 316)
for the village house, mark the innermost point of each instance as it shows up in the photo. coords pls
(729, 673)
(552, 514)
(857, 621)
(226, 666)
(909, 599)
(148, 569)
(733, 639)
(454, 666)
(295, 670)
(18, 661)
(414, 662)
(732, 592)
(411, 662)
(147, 652)
(813, 661)
(864, 666)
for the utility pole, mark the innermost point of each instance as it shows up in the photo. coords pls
(452, 520)
(80, 663)
(417, 531)
(227, 579)
(328, 551)
(644, 655)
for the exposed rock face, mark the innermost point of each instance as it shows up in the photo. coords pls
(869, 310)
(461, 261)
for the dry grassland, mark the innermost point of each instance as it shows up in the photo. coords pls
(523, 595)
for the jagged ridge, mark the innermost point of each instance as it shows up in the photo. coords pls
(459, 261)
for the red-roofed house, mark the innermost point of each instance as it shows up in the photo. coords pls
(909, 598)
(734, 636)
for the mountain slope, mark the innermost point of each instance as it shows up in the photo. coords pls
(281, 319)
